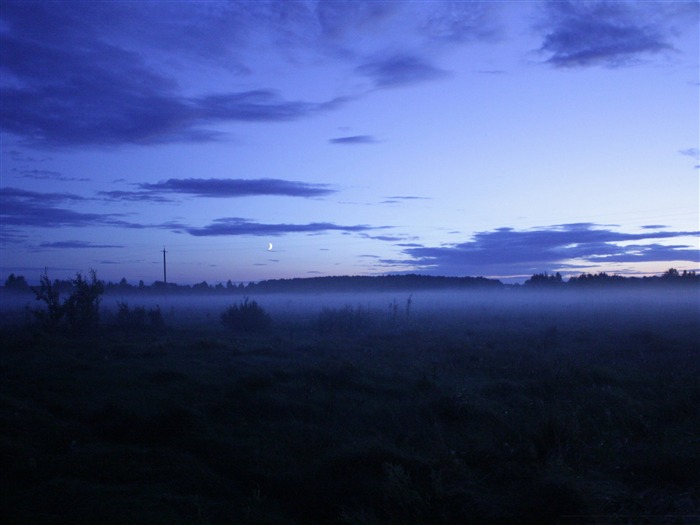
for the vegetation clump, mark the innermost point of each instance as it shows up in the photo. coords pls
(83, 304)
(138, 318)
(81, 309)
(247, 316)
(16, 284)
(344, 321)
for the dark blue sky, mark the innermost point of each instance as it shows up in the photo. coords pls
(453, 138)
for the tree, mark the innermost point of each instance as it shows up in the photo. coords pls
(48, 292)
(83, 305)
(16, 283)
(81, 309)
(544, 279)
(671, 273)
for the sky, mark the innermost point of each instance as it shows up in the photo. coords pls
(261, 139)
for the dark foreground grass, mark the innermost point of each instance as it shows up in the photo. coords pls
(497, 415)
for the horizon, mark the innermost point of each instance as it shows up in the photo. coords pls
(212, 285)
(300, 139)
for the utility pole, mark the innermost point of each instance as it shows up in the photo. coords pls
(165, 278)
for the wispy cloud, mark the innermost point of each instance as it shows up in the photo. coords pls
(106, 74)
(240, 226)
(236, 188)
(458, 22)
(399, 70)
(354, 139)
(255, 106)
(612, 34)
(47, 175)
(506, 251)
(133, 196)
(11, 236)
(690, 152)
(69, 86)
(9, 195)
(77, 244)
(395, 199)
(28, 208)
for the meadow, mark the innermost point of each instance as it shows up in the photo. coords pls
(450, 408)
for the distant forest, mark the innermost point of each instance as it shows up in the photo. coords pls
(411, 282)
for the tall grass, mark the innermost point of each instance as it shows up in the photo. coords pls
(504, 414)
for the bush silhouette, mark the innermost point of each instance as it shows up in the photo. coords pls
(81, 309)
(83, 305)
(16, 284)
(138, 318)
(47, 291)
(247, 316)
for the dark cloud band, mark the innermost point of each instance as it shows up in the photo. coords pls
(239, 226)
(238, 187)
(77, 244)
(506, 251)
(354, 139)
(612, 34)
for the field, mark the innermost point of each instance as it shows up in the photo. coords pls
(424, 409)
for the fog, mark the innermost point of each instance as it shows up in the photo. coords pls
(454, 306)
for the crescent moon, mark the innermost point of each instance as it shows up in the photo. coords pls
(269, 246)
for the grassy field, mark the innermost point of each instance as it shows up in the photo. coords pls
(516, 410)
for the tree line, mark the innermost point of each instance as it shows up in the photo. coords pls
(18, 283)
(605, 280)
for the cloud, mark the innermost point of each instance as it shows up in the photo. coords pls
(47, 175)
(506, 251)
(256, 106)
(399, 70)
(9, 195)
(77, 244)
(112, 73)
(395, 199)
(134, 196)
(338, 19)
(20, 156)
(612, 34)
(28, 208)
(239, 226)
(11, 236)
(237, 187)
(388, 238)
(355, 139)
(68, 85)
(458, 22)
(690, 152)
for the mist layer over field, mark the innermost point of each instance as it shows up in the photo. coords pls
(420, 306)
(507, 406)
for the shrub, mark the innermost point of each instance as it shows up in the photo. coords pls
(344, 321)
(138, 318)
(155, 318)
(83, 305)
(16, 284)
(47, 291)
(81, 309)
(247, 316)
